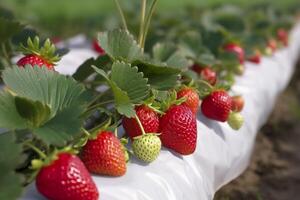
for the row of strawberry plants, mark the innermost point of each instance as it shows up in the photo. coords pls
(153, 92)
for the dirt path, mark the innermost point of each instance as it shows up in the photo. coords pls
(274, 172)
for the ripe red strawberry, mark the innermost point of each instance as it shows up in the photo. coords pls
(179, 129)
(238, 50)
(256, 57)
(66, 178)
(197, 68)
(34, 60)
(192, 98)
(104, 155)
(97, 47)
(209, 75)
(282, 36)
(271, 46)
(149, 120)
(217, 105)
(237, 103)
(206, 73)
(36, 55)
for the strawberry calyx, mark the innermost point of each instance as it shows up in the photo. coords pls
(44, 160)
(171, 100)
(45, 51)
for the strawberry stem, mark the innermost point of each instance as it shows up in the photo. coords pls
(121, 14)
(140, 124)
(37, 150)
(142, 23)
(148, 20)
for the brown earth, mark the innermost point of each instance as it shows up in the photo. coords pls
(274, 172)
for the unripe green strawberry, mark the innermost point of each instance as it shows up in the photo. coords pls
(235, 120)
(146, 147)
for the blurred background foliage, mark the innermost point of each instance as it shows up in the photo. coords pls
(65, 18)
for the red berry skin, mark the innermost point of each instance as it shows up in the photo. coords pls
(209, 75)
(97, 47)
(192, 99)
(104, 155)
(66, 179)
(179, 130)
(256, 57)
(238, 50)
(282, 36)
(206, 73)
(217, 106)
(197, 68)
(149, 119)
(237, 103)
(34, 60)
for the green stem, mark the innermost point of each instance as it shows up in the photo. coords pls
(38, 151)
(142, 23)
(148, 20)
(99, 104)
(140, 124)
(121, 14)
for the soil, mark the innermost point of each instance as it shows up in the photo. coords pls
(274, 172)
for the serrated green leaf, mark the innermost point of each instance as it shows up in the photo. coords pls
(62, 95)
(170, 54)
(40, 84)
(123, 104)
(10, 157)
(8, 29)
(120, 45)
(34, 112)
(85, 70)
(159, 77)
(131, 81)
(62, 128)
(9, 116)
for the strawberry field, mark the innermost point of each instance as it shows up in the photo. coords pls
(149, 99)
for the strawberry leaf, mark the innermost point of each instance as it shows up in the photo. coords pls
(50, 103)
(34, 112)
(128, 79)
(40, 84)
(169, 53)
(10, 157)
(9, 116)
(8, 29)
(64, 127)
(128, 85)
(160, 77)
(85, 70)
(120, 45)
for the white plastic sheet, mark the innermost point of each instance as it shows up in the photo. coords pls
(221, 155)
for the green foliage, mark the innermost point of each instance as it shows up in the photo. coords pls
(128, 85)
(85, 70)
(8, 29)
(9, 116)
(120, 45)
(46, 102)
(10, 158)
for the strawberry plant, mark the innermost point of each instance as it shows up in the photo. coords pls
(150, 81)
